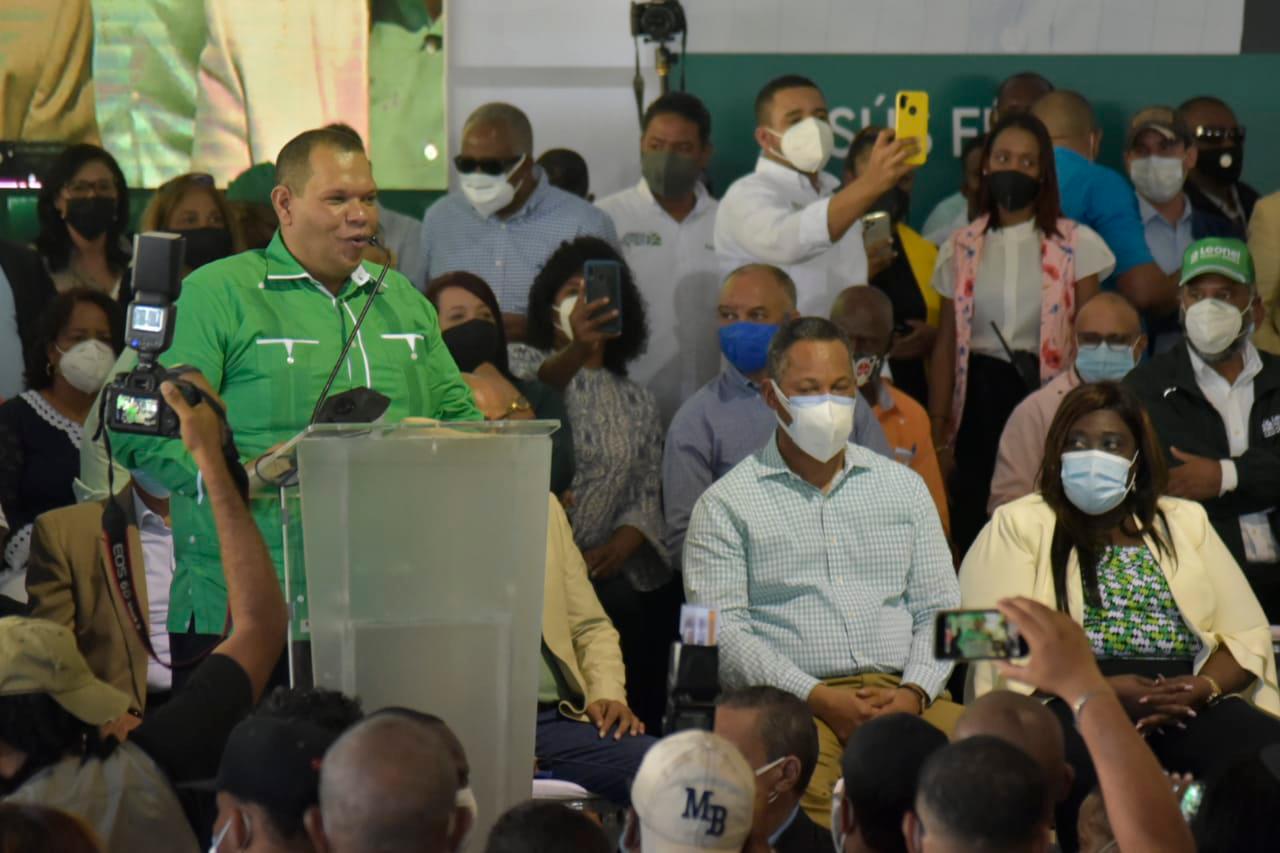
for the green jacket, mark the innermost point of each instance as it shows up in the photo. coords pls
(265, 335)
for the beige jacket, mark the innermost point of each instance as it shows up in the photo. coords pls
(1021, 449)
(1011, 558)
(68, 582)
(574, 625)
(1264, 245)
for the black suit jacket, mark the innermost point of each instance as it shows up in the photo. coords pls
(32, 289)
(803, 836)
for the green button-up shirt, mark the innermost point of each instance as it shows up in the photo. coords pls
(266, 334)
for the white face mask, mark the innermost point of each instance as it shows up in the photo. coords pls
(87, 365)
(1212, 326)
(837, 830)
(563, 311)
(489, 193)
(820, 425)
(1157, 179)
(466, 799)
(807, 144)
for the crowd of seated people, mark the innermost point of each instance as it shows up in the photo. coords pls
(1054, 401)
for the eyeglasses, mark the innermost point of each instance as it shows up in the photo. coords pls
(488, 165)
(81, 189)
(1220, 134)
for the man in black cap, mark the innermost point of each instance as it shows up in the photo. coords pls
(269, 777)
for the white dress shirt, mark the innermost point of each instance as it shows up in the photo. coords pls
(157, 560)
(1007, 289)
(1234, 403)
(677, 272)
(775, 216)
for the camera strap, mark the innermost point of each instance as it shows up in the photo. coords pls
(120, 573)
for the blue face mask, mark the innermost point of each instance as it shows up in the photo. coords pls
(1104, 363)
(149, 484)
(746, 345)
(1096, 481)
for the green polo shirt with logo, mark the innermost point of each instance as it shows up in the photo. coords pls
(266, 334)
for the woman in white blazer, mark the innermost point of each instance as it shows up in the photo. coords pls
(1174, 624)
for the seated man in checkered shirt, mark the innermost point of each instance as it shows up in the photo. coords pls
(826, 562)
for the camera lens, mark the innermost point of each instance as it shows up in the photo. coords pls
(902, 101)
(911, 111)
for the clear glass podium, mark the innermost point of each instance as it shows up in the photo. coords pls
(414, 564)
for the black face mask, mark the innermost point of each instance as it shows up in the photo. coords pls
(896, 202)
(1222, 165)
(205, 245)
(1013, 190)
(91, 217)
(472, 344)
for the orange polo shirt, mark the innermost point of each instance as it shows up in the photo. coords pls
(906, 426)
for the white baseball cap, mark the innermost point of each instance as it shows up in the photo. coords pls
(694, 791)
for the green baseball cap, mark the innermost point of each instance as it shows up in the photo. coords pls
(38, 656)
(254, 184)
(1225, 256)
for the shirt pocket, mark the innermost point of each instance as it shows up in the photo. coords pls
(398, 364)
(287, 374)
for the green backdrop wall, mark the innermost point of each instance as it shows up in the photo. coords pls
(961, 89)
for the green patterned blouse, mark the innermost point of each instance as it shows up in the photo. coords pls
(1138, 617)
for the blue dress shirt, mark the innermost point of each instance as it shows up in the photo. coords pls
(1101, 198)
(506, 253)
(724, 422)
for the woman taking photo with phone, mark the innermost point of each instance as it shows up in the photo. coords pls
(1011, 283)
(615, 505)
(1171, 618)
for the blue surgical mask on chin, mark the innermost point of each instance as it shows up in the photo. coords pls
(149, 484)
(1096, 481)
(746, 345)
(1104, 362)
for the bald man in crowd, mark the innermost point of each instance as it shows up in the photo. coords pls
(865, 315)
(1109, 342)
(505, 219)
(1101, 198)
(388, 784)
(726, 420)
(1029, 725)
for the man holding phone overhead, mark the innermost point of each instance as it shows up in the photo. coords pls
(791, 213)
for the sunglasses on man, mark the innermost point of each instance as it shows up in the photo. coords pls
(488, 165)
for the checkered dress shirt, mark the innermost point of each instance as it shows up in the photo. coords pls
(812, 586)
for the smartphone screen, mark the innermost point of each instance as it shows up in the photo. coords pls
(976, 635)
(604, 280)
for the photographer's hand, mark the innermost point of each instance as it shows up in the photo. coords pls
(201, 429)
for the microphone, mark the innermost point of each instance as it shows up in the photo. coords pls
(346, 347)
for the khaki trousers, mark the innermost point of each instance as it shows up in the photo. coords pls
(943, 714)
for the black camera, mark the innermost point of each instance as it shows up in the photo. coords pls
(133, 401)
(657, 20)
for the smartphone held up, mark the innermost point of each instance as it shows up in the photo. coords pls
(968, 635)
(911, 119)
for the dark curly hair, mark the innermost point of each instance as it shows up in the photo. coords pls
(1139, 513)
(53, 321)
(53, 241)
(566, 262)
(331, 710)
(36, 725)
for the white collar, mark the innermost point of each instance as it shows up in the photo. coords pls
(782, 174)
(1205, 372)
(700, 196)
(146, 517)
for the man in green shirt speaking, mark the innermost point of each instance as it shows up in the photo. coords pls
(266, 327)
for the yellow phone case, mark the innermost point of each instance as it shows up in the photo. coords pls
(912, 119)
